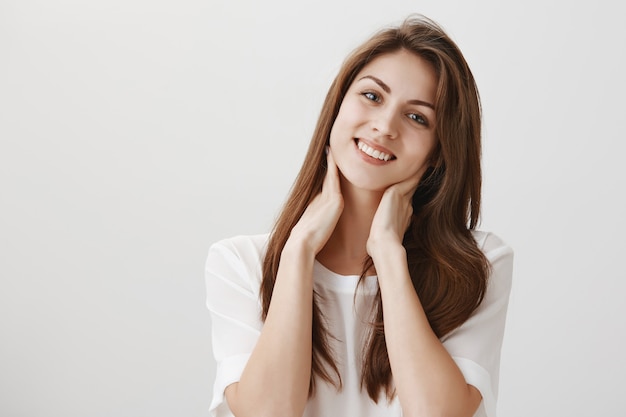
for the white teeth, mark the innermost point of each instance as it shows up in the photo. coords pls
(374, 153)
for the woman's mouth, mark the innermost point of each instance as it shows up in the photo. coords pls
(374, 153)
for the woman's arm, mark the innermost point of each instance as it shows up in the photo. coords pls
(275, 381)
(427, 380)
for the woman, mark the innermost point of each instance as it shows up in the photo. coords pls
(373, 295)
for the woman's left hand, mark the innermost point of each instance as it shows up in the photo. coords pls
(392, 217)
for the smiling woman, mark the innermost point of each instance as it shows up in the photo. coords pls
(374, 294)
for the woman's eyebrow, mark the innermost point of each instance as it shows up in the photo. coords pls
(379, 82)
(386, 88)
(421, 103)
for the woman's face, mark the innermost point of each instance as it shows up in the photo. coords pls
(384, 131)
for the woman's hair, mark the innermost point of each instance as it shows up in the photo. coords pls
(448, 270)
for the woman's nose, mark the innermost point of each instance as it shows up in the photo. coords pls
(385, 123)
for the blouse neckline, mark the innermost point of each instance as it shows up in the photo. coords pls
(343, 283)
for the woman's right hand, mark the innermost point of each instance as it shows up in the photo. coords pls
(320, 217)
(276, 379)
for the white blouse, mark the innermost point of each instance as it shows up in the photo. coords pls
(233, 277)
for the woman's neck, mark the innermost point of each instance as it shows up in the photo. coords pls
(345, 250)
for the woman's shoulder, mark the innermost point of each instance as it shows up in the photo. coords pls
(491, 244)
(242, 249)
(237, 260)
(500, 256)
(243, 244)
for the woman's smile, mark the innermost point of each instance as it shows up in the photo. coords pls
(374, 151)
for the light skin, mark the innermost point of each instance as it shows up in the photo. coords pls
(364, 208)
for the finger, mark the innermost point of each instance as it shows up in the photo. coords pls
(408, 186)
(331, 181)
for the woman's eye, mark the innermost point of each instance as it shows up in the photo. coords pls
(371, 96)
(419, 119)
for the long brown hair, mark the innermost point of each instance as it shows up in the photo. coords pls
(448, 270)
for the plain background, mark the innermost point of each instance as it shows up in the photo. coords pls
(136, 133)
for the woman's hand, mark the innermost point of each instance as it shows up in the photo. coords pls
(320, 217)
(426, 378)
(276, 378)
(392, 217)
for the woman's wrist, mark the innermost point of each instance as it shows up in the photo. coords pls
(391, 264)
(384, 250)
(298, 249)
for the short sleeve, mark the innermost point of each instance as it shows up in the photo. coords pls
(232, 280)
(475, 345)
